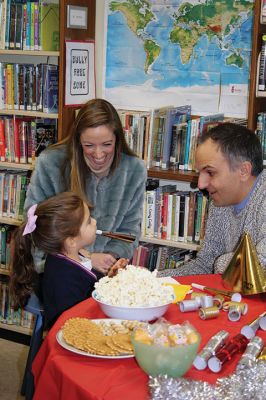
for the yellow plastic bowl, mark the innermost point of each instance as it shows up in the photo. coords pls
(158, 360)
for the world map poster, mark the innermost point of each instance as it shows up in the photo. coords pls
(175, 52)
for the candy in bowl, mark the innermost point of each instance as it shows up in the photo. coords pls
(164, 349)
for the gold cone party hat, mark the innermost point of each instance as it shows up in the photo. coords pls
(244, 272)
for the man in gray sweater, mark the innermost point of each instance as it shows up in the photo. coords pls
(230, 164)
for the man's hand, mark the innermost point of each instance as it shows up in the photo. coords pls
(102, 262)
(121, 263)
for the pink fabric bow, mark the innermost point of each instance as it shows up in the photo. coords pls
(31, 222)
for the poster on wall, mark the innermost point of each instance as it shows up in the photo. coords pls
(80, 72)
(176, 52)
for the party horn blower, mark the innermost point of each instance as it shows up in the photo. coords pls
(116, 235)
(233, 296)
(250, 329)
(244, 273)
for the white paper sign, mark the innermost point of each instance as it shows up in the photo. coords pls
(80, 72)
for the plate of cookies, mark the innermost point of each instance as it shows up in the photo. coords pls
(101, 338)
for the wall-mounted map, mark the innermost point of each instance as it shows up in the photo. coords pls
(179, 52)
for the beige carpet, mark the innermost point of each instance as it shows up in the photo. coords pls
(12, 363)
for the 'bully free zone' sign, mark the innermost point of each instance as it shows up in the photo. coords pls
(80, 76)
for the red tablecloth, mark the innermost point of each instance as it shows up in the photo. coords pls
(61, 374)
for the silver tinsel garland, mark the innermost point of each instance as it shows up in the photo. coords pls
(246, 384)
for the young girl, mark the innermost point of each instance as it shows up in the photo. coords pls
(61, 227)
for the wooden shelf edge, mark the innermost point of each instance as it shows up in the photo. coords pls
(27, 113)
(174, 175)
(34, 53)
(171, 243)
(18, 166)
(10, 221)
(16, 328)
(4, 271)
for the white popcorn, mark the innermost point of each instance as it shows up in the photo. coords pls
(133, 287)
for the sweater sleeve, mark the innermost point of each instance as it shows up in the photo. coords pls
(132, 218)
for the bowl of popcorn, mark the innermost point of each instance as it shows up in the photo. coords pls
(165, 349)
(134, 293)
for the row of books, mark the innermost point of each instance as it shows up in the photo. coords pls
(167, 137)
(29, 87)
(29, 25)
(174, 215)
(7, 313)
(157, 257)
(261, 132)
(5, 242)
(13, 188)
(22, 139)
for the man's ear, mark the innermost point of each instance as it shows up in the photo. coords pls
(245, 170)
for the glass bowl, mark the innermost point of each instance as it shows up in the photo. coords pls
(172, 361)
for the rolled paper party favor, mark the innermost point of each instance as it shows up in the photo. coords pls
(235, 345)
(215, 343)
(249, 357)
(188, 305)
(116, 235)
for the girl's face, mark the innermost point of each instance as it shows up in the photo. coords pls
(87, 234)
(98, 146)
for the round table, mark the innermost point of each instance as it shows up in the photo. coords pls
(61, 374)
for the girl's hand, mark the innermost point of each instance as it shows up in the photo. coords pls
(102, 262)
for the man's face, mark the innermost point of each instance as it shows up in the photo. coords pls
(223, 184)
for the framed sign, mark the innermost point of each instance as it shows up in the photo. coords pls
(80, 72)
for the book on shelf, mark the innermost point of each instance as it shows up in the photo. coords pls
(206, 120)
(7, 27)
(261, 133)
(191, 217)
(19, 25)
(12, 26)
(50, 88)
(136, 126)
(172, 116)
(2, 140)
(177, 129)
(262, 66)
(49, 26)
(46, 134)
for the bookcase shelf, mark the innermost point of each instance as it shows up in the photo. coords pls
(34, 53)
(171, 243)
(37, 114)
(66, 115)
(10, 221)
(4, 271)
(16, 328)
(173, 175)
(18, 166)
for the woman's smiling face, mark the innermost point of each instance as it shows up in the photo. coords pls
(98, 146)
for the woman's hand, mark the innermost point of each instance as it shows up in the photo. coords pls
(102, 262)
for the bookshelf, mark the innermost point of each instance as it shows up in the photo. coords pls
(257, 102)
(173, 175)
(65, 115)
